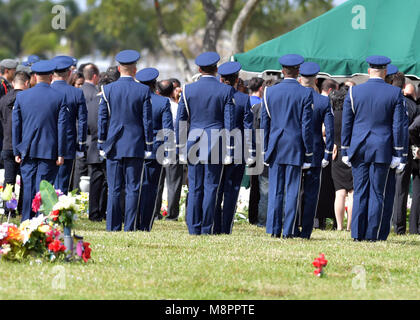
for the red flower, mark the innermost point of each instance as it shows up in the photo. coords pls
(165, 213)
(318, 272)
(36, 203)
(86, 251)
(56, 246)
(319, 263)
(54, 215)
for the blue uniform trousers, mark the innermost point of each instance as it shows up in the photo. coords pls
(33, 171)
(203, 183)
(283, 198)
(62, 181)
(370, 180)
(311, 187)
(228, 192)
(126, 171)
(151, 174)
(385, 226)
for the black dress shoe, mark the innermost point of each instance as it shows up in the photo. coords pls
(288, 237)
(357, 240)
(275, 235)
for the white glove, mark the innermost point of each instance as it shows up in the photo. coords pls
(147, 154)
(325, 163)
(228, 160)
(400, 168)
(346, 161)
(79, 155)
(395, 162)
(250, 161)
(102, 154)
(182, 158)
(166, 162)
(306, 166)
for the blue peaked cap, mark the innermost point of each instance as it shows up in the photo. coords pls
(229, 68)
(63, 62)
(291, 60)
(391, 69)
(43, 66)
(308, 69)
(128, 56)
(207, 59)
(147, 74)
(378, 62)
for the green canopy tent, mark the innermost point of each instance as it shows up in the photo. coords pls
(341, 39)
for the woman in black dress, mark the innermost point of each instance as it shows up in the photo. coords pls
(341, 173)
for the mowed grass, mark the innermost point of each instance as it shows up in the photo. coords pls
(168, 263)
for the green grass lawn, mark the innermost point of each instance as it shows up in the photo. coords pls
(168, 263)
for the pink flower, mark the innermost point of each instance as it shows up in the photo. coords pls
(36, 203)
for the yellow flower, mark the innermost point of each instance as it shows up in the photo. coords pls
(7, 193)
(44, 228)
(24, 225)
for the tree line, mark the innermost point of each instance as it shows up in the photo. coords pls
(109, 26)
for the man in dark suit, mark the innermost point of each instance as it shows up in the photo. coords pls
(76, 124)
(97, 166)
(39, 133)
(11, 168)
(89, 88)
(125, 138)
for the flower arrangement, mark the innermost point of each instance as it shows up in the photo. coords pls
(38, 237)
(43, 235)
(319, 263)
(60, 207)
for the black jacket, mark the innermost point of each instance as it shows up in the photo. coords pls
(413, 122)
(93, 152)
(6, 107)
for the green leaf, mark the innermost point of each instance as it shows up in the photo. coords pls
(48, 196)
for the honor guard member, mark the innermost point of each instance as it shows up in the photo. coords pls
(39, 133)
(77, 114)
(372, 143)
(398, 183)
(230, 184)
(322, 114)
(207, 105)
(286, 117)
(125, 131)
(162, 120)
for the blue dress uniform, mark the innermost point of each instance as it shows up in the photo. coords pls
(77, 112)
(385, 225)
(322, 114)
(233, 173)
(287, 122)
(206, 105)
(372, 139)
(162, 120)
(125, 131)
(38, 134)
